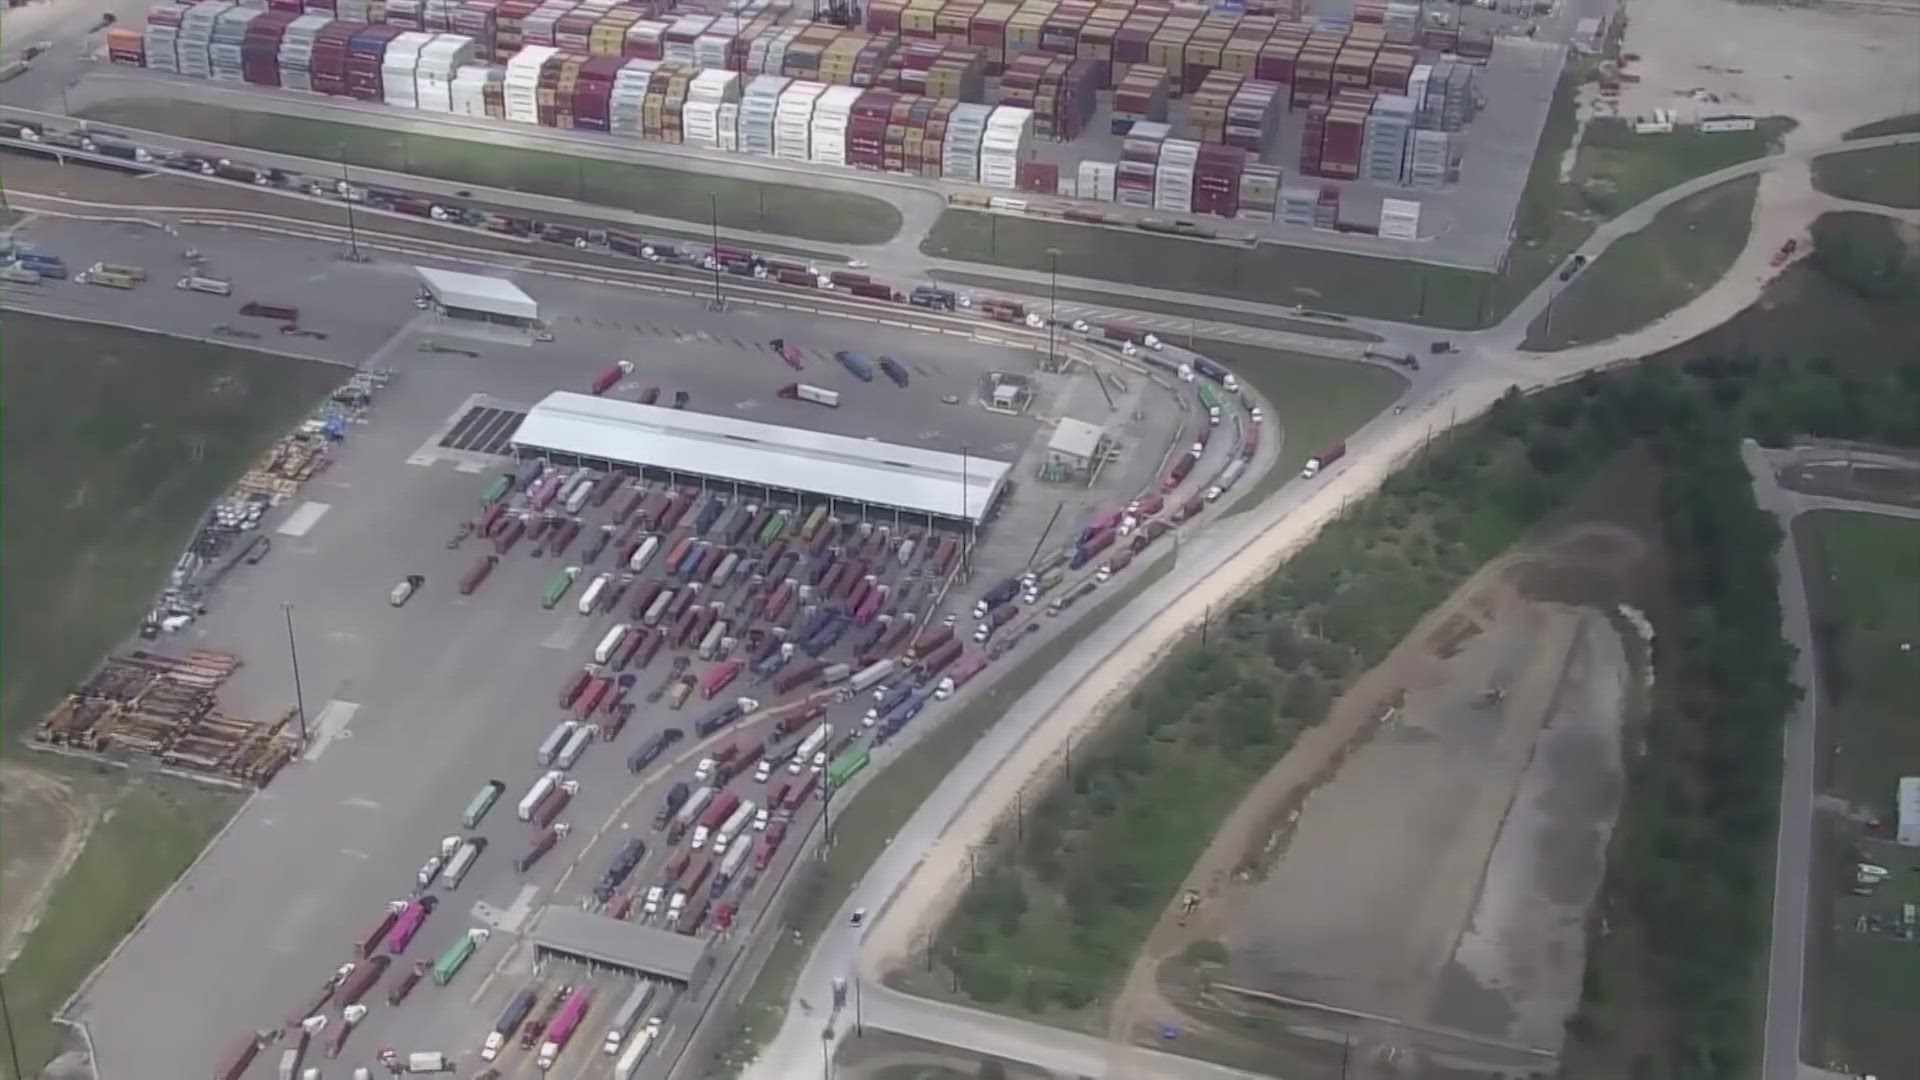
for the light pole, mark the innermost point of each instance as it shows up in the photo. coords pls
(1053, 291)
(713, 208)
(293, 654)
(13, 1044)
(346, 196)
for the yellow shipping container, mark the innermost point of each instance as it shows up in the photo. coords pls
(1169, 44)
(955, 21)
(1023, 32)
(608, 36)
(920, 18)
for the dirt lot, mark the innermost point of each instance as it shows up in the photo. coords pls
(1828, 68)
(45, 822)
(1416, 873)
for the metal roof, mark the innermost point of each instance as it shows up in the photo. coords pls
(958, 486)
(477, 292)
(1076, 438)
(620, 944)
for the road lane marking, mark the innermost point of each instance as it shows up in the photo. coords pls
(331, 724)
(303, 518)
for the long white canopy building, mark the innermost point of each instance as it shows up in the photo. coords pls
(665, 442)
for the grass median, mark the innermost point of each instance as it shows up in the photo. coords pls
(785, 209)
(863, 826)
(1686, 249)
(1884, 175)
(1334, 281)
(1317, 328)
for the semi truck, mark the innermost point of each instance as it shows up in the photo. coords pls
(651, 750)
(1325, 458)
(409, 922)
(462, 861)
(856, 364)
(510, 1020)
(963, 670)
(555, 801)
(360, 980)
(557, 586)
(456, 956)
(540, 790)
(613, 374)
(815, 394)
(621, 1024)
(542, 843)
(808, 747)
(741, 817)
(561, 1030)
(477, 573)
(1227, 478)
(720, 677)
(482, 802)
(594, 591)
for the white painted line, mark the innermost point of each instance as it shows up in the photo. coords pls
(331, 724)
(471, 467)
(305, 517)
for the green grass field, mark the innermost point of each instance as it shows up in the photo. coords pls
(1864, 581)
(1269, 273)
(1903, 124)
(864, 825)
(1886, 175)
(785, 209)
(154, 830)
(1613, 169)
(115, 443)
(1317, 327)
(1686, 249)
(1314, 400)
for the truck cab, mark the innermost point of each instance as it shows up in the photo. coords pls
(763, 771)
(651, 906)
(404, 591)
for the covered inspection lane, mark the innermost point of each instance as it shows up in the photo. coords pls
(629, 948)
(478, 297)
(762, 459)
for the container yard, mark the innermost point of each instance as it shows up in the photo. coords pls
(766, 615)
(1215, 112)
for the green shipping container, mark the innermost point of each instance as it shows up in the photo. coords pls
(482, 803)
(496, 490)
(842, 768)
(557, 586)
(1208, 399)
(775, 526)
(450, 962)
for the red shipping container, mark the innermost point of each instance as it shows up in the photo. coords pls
(1040, 177)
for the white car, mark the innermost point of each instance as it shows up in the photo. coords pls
(763, 771)
(703, 772)
(652, 904)
(760, 819)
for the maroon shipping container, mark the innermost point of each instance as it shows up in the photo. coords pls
(260, 48)
(328, 67)
(1040, 177)
(478, 20)
(593, 90)
(1216, 180)
(366, 55)
(320, 7)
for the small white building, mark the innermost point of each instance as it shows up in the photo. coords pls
(1908, 812)
(478, 297)
(1075, 444)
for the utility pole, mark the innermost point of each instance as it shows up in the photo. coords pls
(13, 1044)
(346, 196)
(713, 208)
(299, 699)
(1053, 292)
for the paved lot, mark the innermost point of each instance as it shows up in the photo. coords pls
(414, 708)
